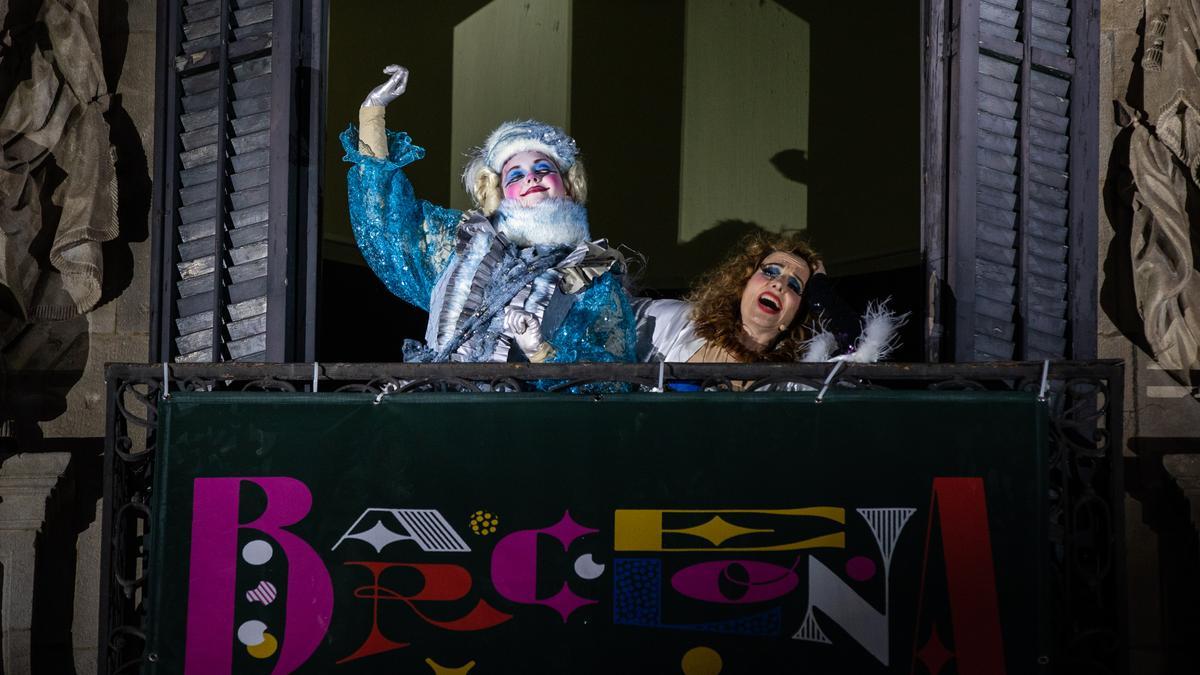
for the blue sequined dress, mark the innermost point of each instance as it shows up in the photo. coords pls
(457, 266)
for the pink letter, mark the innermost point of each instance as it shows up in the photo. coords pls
(211, 591)
(762, 581)
(514, 567)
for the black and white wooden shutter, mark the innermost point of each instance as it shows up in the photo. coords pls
(235, 199)
(1022, 192)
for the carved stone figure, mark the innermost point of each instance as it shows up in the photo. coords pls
(57, 178)
(57, 195)
(1164, 161)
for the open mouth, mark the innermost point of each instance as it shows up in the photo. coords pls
(769, 302)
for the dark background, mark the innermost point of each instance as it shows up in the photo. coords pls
(862, 168)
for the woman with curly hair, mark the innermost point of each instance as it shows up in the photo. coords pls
(761, 304)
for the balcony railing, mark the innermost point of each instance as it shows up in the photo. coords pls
(1086, 497)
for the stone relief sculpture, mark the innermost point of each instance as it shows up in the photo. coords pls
(57, 183)
(1164, 163)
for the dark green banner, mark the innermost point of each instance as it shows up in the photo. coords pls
(705, 533)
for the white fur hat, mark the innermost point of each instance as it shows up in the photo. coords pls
(518, 136)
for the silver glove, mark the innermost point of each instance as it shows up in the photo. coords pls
(525, 329)
(388, 91)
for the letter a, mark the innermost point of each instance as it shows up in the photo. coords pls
(961, 508)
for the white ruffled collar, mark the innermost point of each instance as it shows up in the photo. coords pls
(558, 221)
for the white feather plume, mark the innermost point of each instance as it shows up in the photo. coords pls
(819, 347)
(880, 334)
(878, 339)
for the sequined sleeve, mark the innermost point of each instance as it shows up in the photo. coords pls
(600, 326)
(406, 241)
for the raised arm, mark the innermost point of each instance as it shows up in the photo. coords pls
(372, 133)
(406, 241)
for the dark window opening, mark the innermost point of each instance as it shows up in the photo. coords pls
(698, 122)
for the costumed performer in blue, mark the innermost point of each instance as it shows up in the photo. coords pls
(770, 300)
(517, 277)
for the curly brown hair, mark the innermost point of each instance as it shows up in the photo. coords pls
(716, 298)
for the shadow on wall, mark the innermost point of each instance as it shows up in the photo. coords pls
(1117, 298)
(1168, 512)
(70, 511)
(132, 165)
(45, 589)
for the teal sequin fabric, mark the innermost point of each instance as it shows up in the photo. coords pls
(600, 326)
(409, 244)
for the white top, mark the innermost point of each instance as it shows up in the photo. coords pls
(665, 331)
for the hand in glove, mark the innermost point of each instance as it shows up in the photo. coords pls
(388, 91)
(525, 328)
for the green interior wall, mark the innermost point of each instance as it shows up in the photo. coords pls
(651, 87)
(745, 102)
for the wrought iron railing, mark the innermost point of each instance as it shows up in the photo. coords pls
(1085, 479)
